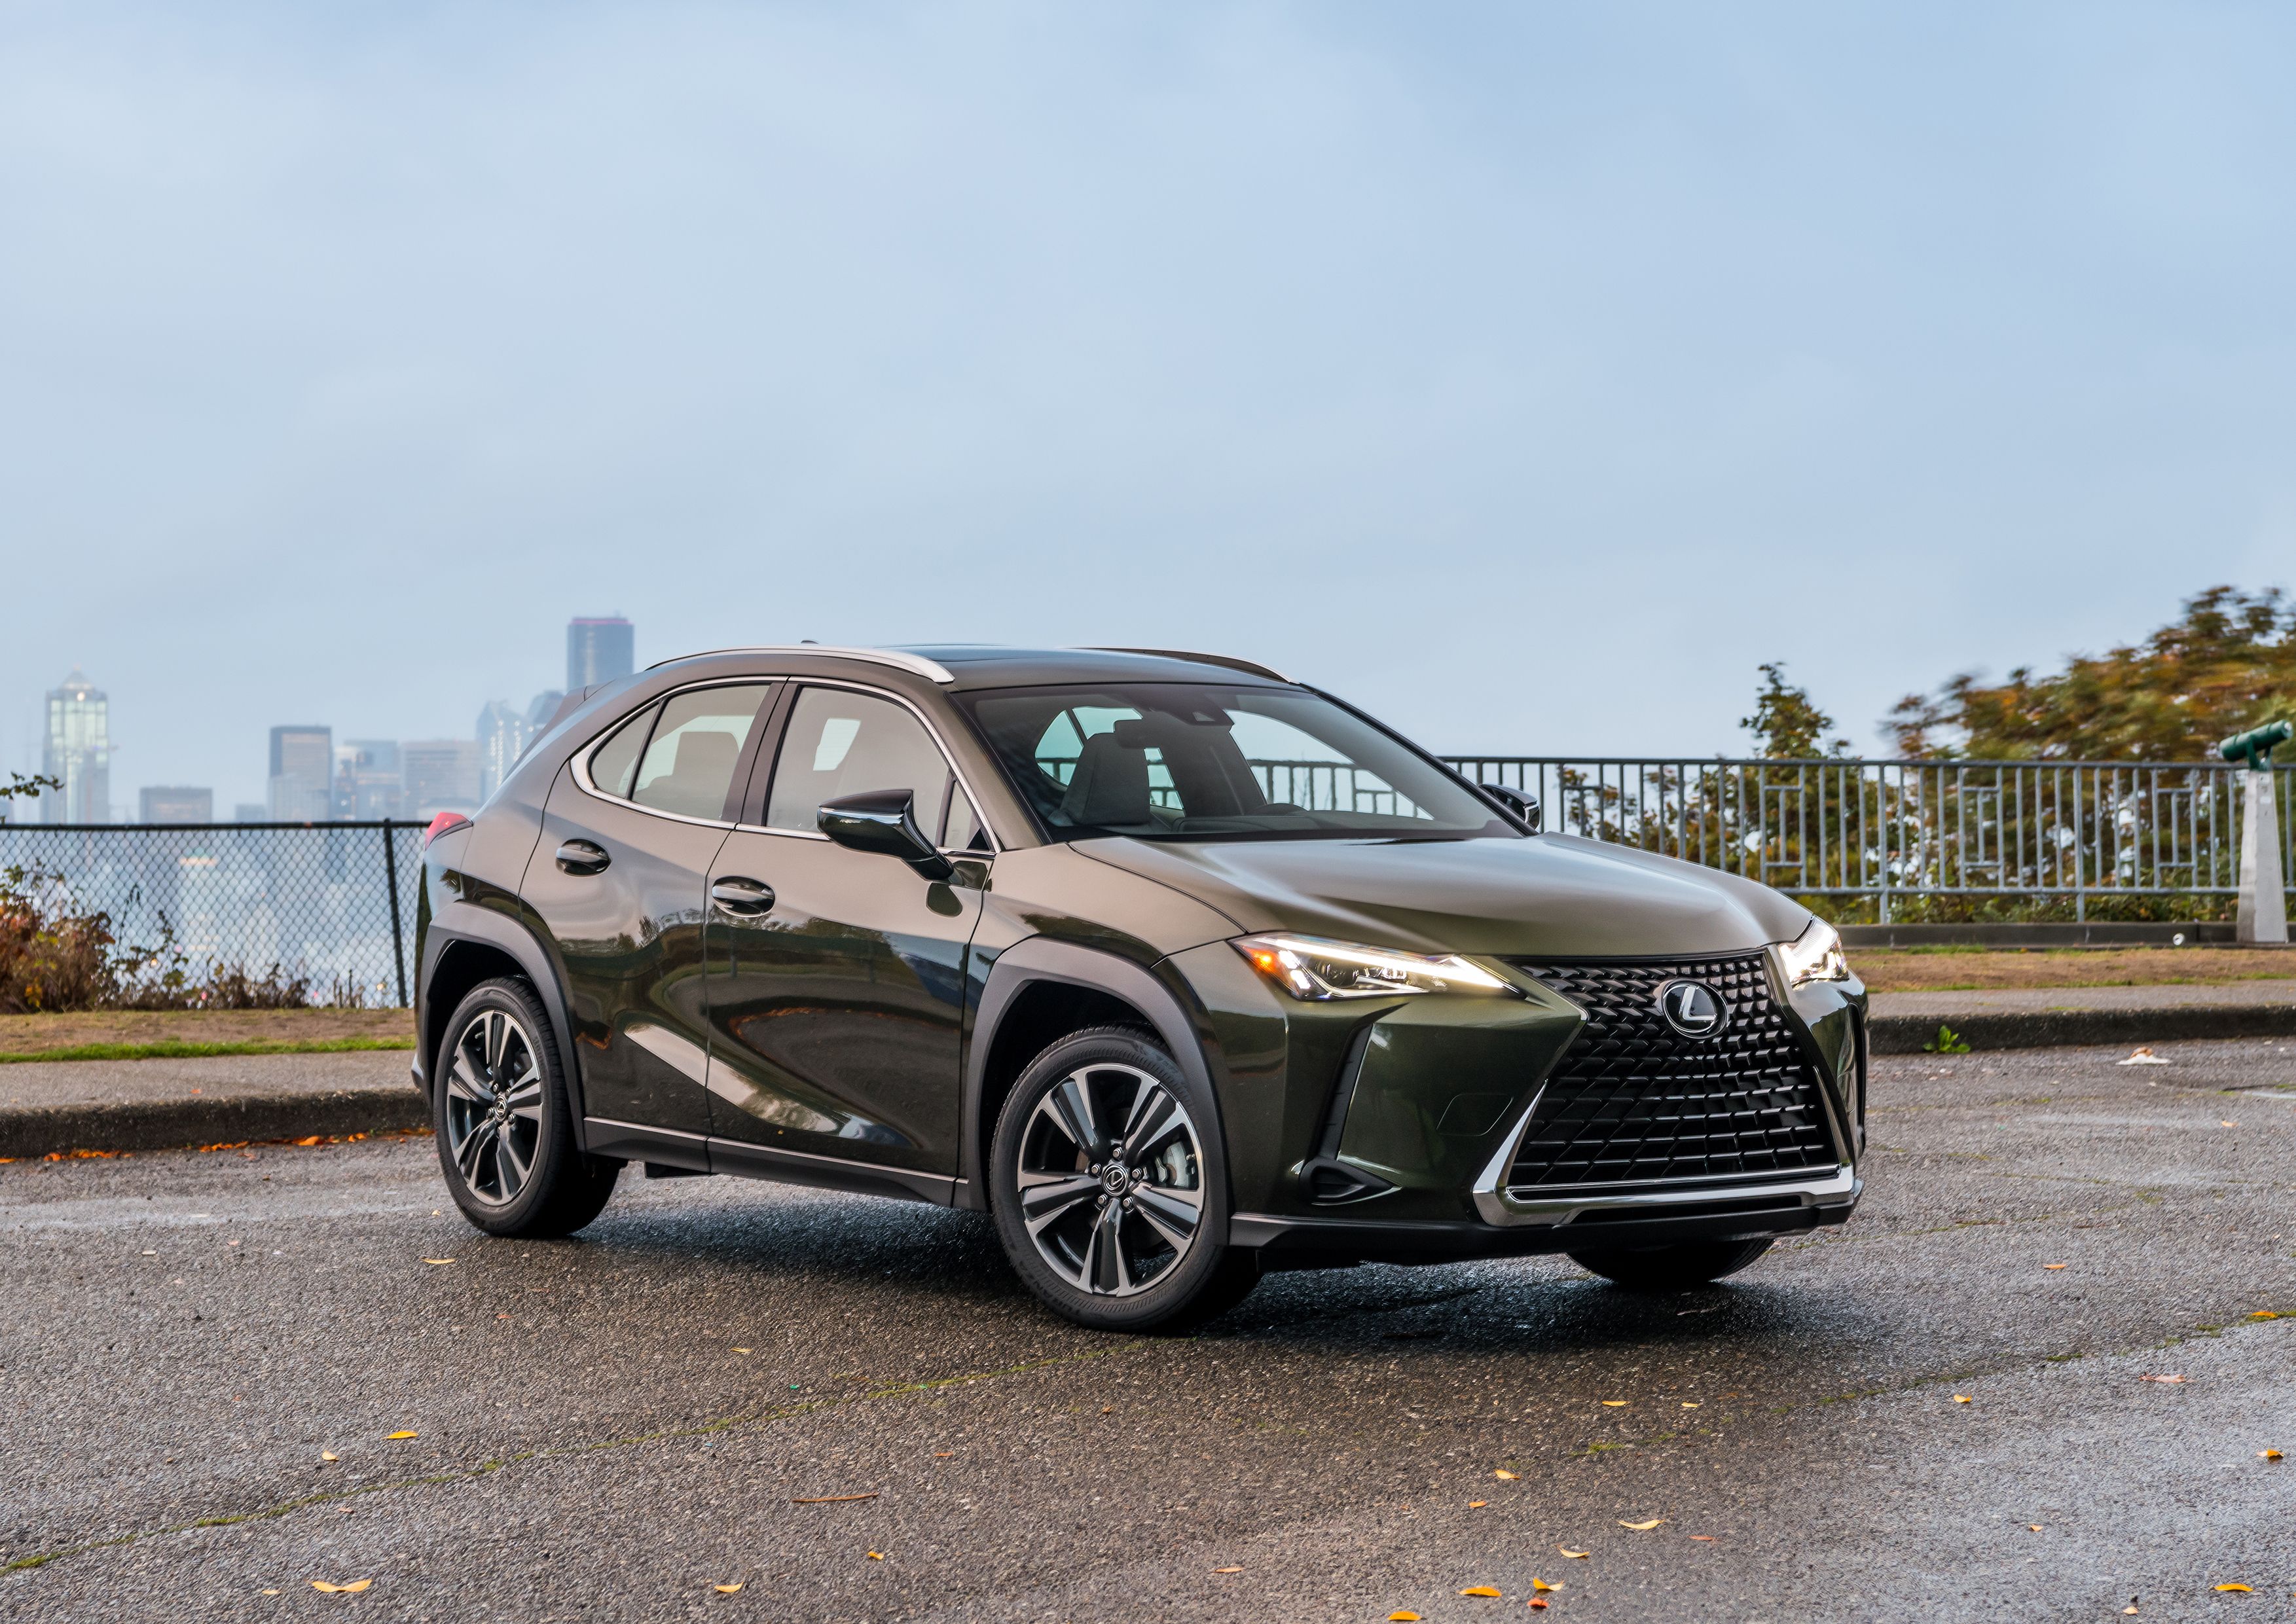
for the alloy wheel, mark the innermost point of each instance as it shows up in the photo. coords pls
(1112, 1179)
(494, 1106)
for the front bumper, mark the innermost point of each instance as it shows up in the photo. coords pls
(1576, 1222)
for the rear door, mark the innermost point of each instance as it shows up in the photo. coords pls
(837, 977)
(619, 877)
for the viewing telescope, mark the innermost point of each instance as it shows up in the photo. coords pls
(2256, 746)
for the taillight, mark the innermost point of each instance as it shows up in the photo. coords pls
(446, 823)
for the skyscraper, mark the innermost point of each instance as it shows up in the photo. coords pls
(78, 753)
(503, 734)
(441, 775)
(598, 650)
(175, 804)
(302, 774)
(366, 778)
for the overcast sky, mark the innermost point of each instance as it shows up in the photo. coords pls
(1526, 373)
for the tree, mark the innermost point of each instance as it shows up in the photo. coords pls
(18, 784)
(2228, 664)
(1788, 725)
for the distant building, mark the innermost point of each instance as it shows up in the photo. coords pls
(541, 707)
(174, 804)
(503, 734)
(76, 752)
(249, 812)
(598, 650)
(367, 781)
(440, 775)
(302, 774)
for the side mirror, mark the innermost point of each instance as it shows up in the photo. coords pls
(1524, 807)
(885, 822)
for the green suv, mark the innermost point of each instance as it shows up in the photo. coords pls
(1180, 971)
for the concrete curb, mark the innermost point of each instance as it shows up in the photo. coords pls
(2051, 1029)
(29, 1131)
(162, 1124)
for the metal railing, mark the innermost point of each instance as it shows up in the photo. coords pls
(331, 902)
(1889, 830)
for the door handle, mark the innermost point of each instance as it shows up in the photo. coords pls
(582, 857)
(741, 897)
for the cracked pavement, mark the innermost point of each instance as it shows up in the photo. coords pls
(612, 1427)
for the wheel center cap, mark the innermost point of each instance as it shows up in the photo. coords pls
(1114, 1179)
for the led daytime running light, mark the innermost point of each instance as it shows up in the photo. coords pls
(1311, 968)
(1815, 956)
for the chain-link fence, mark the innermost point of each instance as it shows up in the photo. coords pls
(334, 903)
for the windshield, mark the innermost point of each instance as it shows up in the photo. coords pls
(1179, 761)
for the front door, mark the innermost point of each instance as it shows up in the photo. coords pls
(837, 977)
(619, 878)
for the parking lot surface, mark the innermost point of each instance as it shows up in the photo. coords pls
(850, 1408)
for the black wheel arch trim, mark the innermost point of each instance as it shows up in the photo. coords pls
(462, 922)
(1039, 958)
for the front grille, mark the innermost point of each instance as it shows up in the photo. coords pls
(1632, 1102)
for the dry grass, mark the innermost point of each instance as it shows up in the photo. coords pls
(1961, 969)
(33, 1034)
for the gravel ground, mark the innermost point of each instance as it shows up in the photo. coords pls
(613, 1427)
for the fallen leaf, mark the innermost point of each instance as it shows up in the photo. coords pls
(314, 1139)
(2033, 1527)
(875, 1556)
(942, 1455)
(1536, 1601)
(1963, 1398)
(1477, 1505)
(391, 1435)
(2166, 1379)
(2267, 1454)
(353, 1588)
(1401, 1617)
(1540, 1584)
(1489, 1590)
(1568, 1551)
(2247, 1587)
(1614, 1404)
(838, 1499)
(2055, 1266)
(2141, 1057)
(328, 1455)
(2264, 1314)
(729, 1590)
(741, 1350)
(1509, 1476)
(2130, 1607)
(2223, 1124)
(1708, 1539)
(1688, 1404)
(271, 1593)
(1227, 1570)
(438, 1260)
(1643, 1528)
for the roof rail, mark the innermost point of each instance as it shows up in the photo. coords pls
(916, 664)
(1229, 660)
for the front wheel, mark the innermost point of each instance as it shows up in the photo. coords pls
(1671, 1268)
(1109, 1189)
(504, 1120)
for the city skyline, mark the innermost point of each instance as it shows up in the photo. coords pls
(309, 777)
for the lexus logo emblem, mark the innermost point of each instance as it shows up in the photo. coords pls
(1693, 1008)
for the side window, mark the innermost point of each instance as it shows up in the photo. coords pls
(688, 765)
(964, 832)
(614, 763)
(841, 744)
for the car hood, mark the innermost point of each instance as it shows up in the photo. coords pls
(1548, 896)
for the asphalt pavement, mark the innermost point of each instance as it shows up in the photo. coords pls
(849, 1407)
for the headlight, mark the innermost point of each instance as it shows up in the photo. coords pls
(1815, 956)
(1309, 967)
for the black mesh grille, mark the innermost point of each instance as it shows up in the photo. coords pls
(1632, 1102)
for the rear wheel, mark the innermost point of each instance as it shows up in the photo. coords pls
(1670, 1268)
(1109, 1189)
(505, 1121)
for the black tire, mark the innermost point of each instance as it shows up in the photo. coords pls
(504, 1120)
(1140, 1280)
(1671, 1268)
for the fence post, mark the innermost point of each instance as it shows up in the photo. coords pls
(397, 937)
